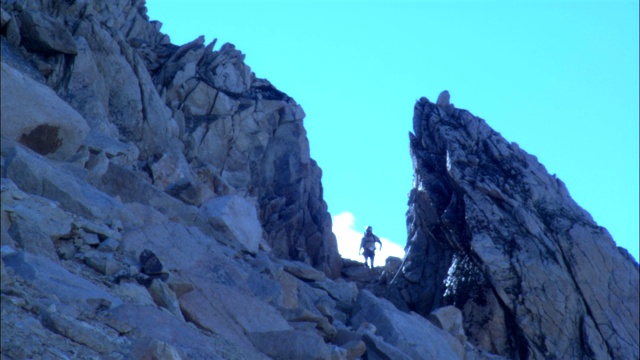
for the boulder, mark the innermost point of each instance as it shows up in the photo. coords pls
(25, 337)
(5, 17)
(289, 285)
(291, 344)
(147, 348)
(35, 175)
(51, 278)
(378, 349)
(102, 262)
(449, 319)
(123, 154)
(210, 315)
(229, 72)
(79, 331)
(171, 170)
(164, 327)
(35, 222)
(302, 271)
(324, 327)
(355, 349)
(235, 220)
(412, 334)
(34, 115)
(164, 297)
(343, 292)
(266, 288)
(133, 187)
(43, 33)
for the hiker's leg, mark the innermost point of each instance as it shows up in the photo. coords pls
(372, 256)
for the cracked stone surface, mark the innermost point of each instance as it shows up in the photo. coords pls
(493, 233)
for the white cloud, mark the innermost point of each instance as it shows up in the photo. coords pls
(349, 241)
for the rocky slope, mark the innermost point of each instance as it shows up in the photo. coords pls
(491, 232)
(195, 121)
(159, 202)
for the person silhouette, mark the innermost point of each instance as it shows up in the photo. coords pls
(368, 245)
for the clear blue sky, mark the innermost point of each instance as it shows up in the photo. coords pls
(559, 78)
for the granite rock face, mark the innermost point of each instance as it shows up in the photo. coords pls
(195, 118)
(159, 201)
(491, 232)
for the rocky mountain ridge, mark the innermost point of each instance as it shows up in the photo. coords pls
(491, 232)
(159, 202)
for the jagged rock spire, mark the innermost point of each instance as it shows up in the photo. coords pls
(493, 233)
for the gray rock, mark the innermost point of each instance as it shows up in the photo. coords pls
(164, 327)
(35, 222)
(5, 279)
(210, 315)
(266, 288)
(343, 292)
(79, 332)
(97, 165)
(410, 333)
(449, 319)
(91, 239)
(326, 330)
(34, 175)
(378, 349)
(43, 33)
(34, 115)
(355, 349)
(133, 187)
(254, 145)
(5, 17)
(24, 336)
(235, 220)
(291, 344)
(66, 250)
(289, 285)
(164, 297)
(87, 92)
(171, 170)
(443, 99)
(101, 262)
(13, 32)
(116, 151)
(109, 245)
(493, 233)
(148, 348)
(302, 271)
(51, 278)
(228, 73)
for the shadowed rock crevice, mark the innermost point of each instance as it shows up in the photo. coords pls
(43, 139)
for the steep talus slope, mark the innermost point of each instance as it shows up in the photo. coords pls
(159, 202)
(493, 233)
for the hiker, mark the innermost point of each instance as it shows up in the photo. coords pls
(368, 244)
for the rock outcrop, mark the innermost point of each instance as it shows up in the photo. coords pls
(194, 119)
(159, 202)
(491, 232)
